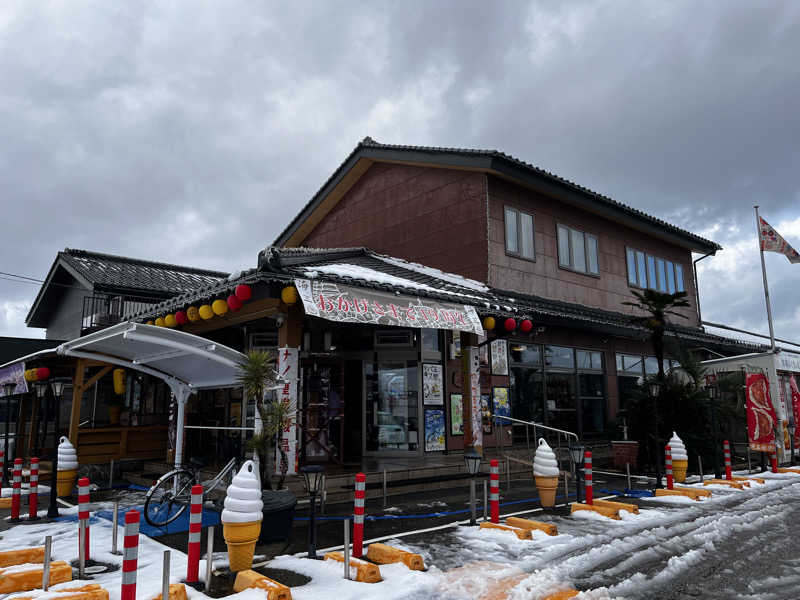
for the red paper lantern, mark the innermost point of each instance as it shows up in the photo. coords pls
(510, 324)
(234, 303)
(243, 292)
(42, 373)
(525, 326)
(181, 317)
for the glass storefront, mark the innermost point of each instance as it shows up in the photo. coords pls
(392, 407)
(559, 386)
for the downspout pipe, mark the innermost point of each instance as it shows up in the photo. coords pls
(697, 284)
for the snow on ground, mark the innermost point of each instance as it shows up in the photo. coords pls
(635, 557)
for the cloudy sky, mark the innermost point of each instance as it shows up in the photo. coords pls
(191, 132)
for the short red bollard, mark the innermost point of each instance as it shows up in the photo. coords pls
(130, 555)
(16, 490)
(726, 446)
(195, 531)
(83, 511)
(33, 495)
(494, 490)
(358, 515)
(774, 460)
(668, 462)
(587, 466)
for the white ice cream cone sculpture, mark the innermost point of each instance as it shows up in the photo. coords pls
(241, 517)
(545, 473)
(680, 459)
(67, 467)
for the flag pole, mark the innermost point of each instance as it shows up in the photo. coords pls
(766, 286)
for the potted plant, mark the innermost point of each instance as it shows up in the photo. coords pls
(257, 377)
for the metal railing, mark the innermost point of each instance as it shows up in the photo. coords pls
(103, 311)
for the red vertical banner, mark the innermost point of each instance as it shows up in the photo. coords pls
(795, 407)
(761, 418)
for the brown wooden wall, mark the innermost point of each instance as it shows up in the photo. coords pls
(545, 278)
(436, 217)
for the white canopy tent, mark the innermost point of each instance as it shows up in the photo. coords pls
(186, 362)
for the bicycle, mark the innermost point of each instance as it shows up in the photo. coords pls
(170, 496)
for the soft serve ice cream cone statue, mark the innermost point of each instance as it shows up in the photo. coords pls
(241, 517)
(67, 467)
(680, 460)
(545, 472)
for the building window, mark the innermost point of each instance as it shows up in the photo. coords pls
(577, 250)
(519, 234)
(648, 271)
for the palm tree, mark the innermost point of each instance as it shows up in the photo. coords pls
(657, 305)
(257, 376)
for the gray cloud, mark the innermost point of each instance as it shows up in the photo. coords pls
(192, 132)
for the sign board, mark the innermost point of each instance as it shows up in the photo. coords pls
(288, 379)
(432, 384)
(346, 304)
(761, 417)
(787, 362)
(15, 374)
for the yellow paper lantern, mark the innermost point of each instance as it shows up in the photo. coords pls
(30, 375)
(220, 307)
(193, 314)
(289, 295)
(489, 323)
(160, 322)
(170, 321)
(205, 312)
(149, 323)
(119, 381)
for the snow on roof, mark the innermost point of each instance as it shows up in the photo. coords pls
(431, 272)
(367, 274)
(746, 337)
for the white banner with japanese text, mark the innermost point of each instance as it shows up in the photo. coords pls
(346, 304)
(288, 380)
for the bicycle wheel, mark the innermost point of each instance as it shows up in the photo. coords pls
(168, 498)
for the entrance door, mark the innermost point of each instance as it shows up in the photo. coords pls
(392, 405)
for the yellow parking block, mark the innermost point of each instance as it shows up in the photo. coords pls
(548, 528)
(384, 555)
(364, 572)
(22, 556)
(250, 579)
(694, 492)
(177, 591)
(606, 511)
(788, 470)
(523, 534)
(91, 591)
(627, 506)
(733, 484)
(562, 595)
(756, 479)
(21, 578)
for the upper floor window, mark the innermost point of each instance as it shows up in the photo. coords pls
(648, 271)
(519, 234)
(577, 250)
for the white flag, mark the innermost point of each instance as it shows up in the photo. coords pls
(771, 241)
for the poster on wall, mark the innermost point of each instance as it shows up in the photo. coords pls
(499, 352)
(434, 429)
(502, 408)
(432, 384)
(761, 418)
(288, 377)
(486, 413)
(456, 415)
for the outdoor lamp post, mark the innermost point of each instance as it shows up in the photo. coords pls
(313, 475)
(577, 452)
(8, 389)
(655, 390)
(713, 393)
(473, 460)
(40, 389)
(58, 393)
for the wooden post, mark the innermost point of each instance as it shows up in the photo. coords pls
(290, 333)
(77, 393)
(469, 345)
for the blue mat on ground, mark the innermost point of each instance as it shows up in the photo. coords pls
(179, 525)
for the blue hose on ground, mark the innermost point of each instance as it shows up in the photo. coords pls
(446, 513)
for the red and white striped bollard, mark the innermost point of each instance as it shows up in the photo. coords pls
(130, 555)
(16, 490)
(668, 462)
(83, 511)
(494, 490)
(33, 494)
(774, 460)
(195, 532)
(726, 448)
(587, 466)
(358, 515)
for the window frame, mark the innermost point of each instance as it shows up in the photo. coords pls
(518, 216)
(680, 284)
(571, 266)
